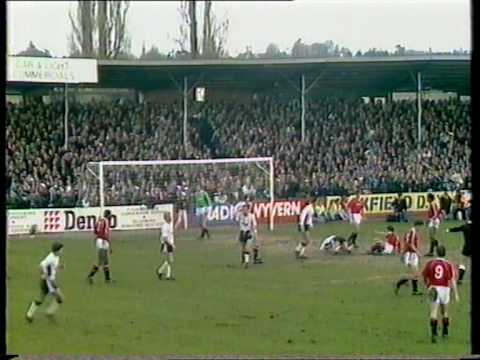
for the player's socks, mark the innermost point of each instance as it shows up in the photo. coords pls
(162, 268)
(461, 273)
(415, 286)
(399, 284)
(445, 322)
(247, 257)
(169, 271)
(297, 250)
(433, 326)
(32, 309)
(52, 309)
(302, 250)
(352, 239)
(207, 233)
(256, 258)
(106, 271)
(433, 246)
(93, 271)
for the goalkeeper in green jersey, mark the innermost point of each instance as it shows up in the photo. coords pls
(202, 205)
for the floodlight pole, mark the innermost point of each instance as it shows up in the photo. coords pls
(302, 95)
(185, 111)
(65, 116)
(419, 109)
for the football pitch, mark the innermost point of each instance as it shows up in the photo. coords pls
(326, 305)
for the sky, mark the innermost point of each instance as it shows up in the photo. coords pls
(442, 25)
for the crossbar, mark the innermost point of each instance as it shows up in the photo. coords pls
(180, 162)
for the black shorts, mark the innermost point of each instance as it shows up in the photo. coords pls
(244, 236)
(166, 248)
(303, 228)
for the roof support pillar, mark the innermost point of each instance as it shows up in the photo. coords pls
(185, 111)
(302, 96)
(186, 91)
(303, 90)
(419, 110)
(65, 116)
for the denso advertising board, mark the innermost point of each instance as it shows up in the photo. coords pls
(84, 219)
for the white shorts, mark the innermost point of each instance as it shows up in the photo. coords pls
(102, 244)
(443, 295)
(410, 259)
(434, 223)
(388, 248)
(50, 287)
(356, 219)
(202, 211)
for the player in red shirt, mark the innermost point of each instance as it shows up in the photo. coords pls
(390, 245)
(435, 216)
(356, 209)
(104, 247)
(440, 276)
(410, 257)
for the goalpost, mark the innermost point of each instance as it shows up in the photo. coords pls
(141, 182)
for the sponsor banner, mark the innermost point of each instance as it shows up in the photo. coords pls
(51, 70)
(285, 211)
(21, 221)
(382, 203)
(84, 219)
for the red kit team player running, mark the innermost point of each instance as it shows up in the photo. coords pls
(435, 216)
(356, 209)
(440, 277)
(103, 246)
(410, 258)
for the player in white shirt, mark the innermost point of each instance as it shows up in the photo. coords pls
(336, 244)
(255, 243)
(48, 283)
(305, 223)
(248, 229)
(167, 248)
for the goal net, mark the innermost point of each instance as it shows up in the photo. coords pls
(149, 184)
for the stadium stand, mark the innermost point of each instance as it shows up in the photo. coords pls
(347, 140)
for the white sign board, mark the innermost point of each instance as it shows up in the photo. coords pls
(84, 219)
(51, 70)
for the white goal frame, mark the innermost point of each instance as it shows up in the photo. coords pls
(101, 165)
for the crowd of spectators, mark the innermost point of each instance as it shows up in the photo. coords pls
(349, 146)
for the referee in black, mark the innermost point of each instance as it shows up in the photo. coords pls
(467, 249)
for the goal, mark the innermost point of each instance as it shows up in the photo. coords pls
(153, 182)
